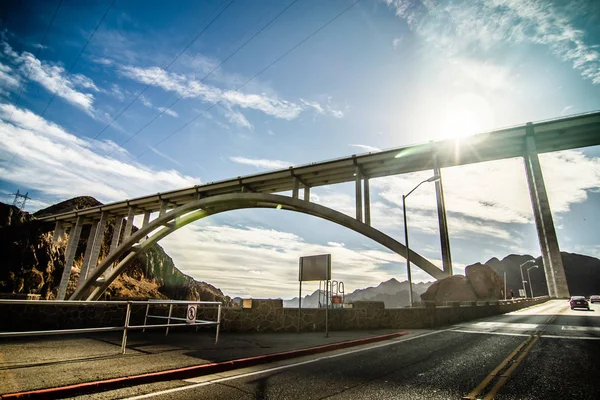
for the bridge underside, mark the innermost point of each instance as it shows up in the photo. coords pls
(98, 279)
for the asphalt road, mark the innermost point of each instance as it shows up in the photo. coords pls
(544, 352)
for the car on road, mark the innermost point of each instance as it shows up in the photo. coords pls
(595, 298)
(579, 302)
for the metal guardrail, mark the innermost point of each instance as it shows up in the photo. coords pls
(126, 326)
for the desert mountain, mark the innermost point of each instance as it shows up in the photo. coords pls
(393, 293)
(32, 264)
(582, 272)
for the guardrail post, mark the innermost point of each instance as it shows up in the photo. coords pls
(146, 316)
(127, 316)
(169, 318)
(218, 324)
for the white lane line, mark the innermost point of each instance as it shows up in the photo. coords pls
(511, 325)
(179, 389)
(580, 328)
(571, 337)
(491, 333)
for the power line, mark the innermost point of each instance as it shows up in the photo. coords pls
(16, 102)
(253, 77)
(78, 56)
(166, 67)
(165, 109)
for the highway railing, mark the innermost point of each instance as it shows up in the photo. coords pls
(190, 320)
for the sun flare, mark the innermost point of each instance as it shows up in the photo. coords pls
(465, 115)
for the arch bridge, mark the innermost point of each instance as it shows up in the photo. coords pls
(175, 209)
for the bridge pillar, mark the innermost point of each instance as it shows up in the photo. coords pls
(164, 205)
(59, 232)
(146, 218)
(295, 188)
(443, 222)
(87, 255)
(69, 258)
(367, 201)
(358, 191)
(129, 224)
(92, 251)
(115, 238)
(307, 193)
(553, 266)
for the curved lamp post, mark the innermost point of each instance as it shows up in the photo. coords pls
(529, 277)
(522, 278)
(410, 291)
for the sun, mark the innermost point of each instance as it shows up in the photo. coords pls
(466, 114)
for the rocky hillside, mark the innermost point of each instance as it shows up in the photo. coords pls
(32, 264)
(583, 273)
(393, 293)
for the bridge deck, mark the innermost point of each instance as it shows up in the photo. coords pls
(555, 135)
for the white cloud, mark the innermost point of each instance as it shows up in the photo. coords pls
(396, 42)
(261, 163)
(365, 147)
(323, 109)
(462, 26)
(190, 88)
(237, 118)
(168, 111)
(52, 77)
(8, 78)
(59, 165)
(497, 191)
(228, 254)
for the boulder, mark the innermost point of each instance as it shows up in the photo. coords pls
(486, 283)
(453, 288)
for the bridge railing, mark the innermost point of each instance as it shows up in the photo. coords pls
(127, 325)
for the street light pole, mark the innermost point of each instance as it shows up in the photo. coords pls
(522, 277)
(529, 277)
(408, 271)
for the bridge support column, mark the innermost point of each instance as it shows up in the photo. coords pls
(129, 224)
(59, 232)
(164, 205)
(295, 188)
(553, 266)
(442, 220)
(307, 193)
(367, 202)
(87, 255)
(146, 218)
(69, 258)
(95, 244)
(115, 239)
(358, 191)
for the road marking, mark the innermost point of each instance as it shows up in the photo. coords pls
(492, 333)
(580, 328)
(492, 375)
(504, 377)
(511, 325)
(571, 337)
(264, 371)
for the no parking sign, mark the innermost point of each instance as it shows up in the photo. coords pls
(190, 316)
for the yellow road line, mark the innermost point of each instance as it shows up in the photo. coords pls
(504, 378)
(492, 375)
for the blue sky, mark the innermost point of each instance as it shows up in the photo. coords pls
(383, 74)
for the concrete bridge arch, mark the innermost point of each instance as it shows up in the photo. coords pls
(93, 286)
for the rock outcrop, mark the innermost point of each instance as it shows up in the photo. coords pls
(485, 282)
(453, 288)
(33, 264)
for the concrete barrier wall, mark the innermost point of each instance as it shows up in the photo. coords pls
(264, 316)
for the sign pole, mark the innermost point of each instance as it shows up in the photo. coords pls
(327, 307)
(299, 294)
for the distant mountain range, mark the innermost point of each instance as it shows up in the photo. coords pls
(392, 292)
(582, 272)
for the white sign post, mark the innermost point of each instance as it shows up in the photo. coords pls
(190, 316)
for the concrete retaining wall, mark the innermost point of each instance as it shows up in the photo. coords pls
(264, 316)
